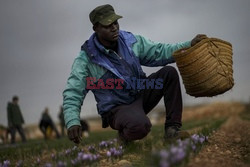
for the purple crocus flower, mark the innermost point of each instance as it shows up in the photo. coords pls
(38, 161)
(53, 156)
(195, 138)
(95, 157)
(164, 154)
(115, 152)
(83, 157)
(61, 164)
(87, 157)
(183, 143)
(173, 150)
(48, 165)
(91, 148)
(112, 150)
(80, 154)
(118, 153)
(202, 139)
(193, 146)
(164, 163)
(103, 144)
(108, 153)
(177, 154)
(180, 155)
(6, 163)
(68, 151)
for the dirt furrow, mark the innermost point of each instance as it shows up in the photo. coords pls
(228, 147)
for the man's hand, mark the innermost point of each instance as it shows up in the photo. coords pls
(75, 134)
(198, 38)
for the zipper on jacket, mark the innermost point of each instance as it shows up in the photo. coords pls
(117, 55)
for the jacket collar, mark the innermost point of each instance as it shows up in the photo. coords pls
(91, 44)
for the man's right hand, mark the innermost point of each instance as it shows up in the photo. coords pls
(198, 38)
(75, 134)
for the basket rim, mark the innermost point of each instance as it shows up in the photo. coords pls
(192, 48)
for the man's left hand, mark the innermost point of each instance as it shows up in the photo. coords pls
(198, 38)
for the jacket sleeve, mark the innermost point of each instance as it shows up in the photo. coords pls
(154, 53)
(75, 91)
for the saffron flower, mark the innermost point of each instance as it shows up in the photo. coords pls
(103, 144)
(61, 164)
(38, 161)
(114, 152)
(164, 163)
(108, 153)
(53, 156)
(179, 151)
(6, 163)
(48, 165)
(164, 154)
(68, 151)
(91, 148)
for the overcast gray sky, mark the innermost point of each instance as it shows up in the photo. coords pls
(40, 39)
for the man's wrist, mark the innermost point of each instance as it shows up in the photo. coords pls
(72, 123)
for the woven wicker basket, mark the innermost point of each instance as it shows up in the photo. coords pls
(206, 68)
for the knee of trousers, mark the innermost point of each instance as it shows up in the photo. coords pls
(170, 72)
(137, 131)
(170, 69)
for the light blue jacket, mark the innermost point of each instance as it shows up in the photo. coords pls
(92, 62)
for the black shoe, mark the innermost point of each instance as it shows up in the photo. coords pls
(174, 132)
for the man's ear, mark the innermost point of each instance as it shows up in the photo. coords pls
(94, 27)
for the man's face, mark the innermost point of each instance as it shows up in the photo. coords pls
(15, 101)
(108, 33)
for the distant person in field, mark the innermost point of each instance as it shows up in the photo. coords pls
(62, 122)
(46, 124)
(110, 65)
(15, 119)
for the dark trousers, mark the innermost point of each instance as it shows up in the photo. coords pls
(131, 120)
(13, 129)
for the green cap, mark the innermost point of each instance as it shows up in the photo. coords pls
(104, 14)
